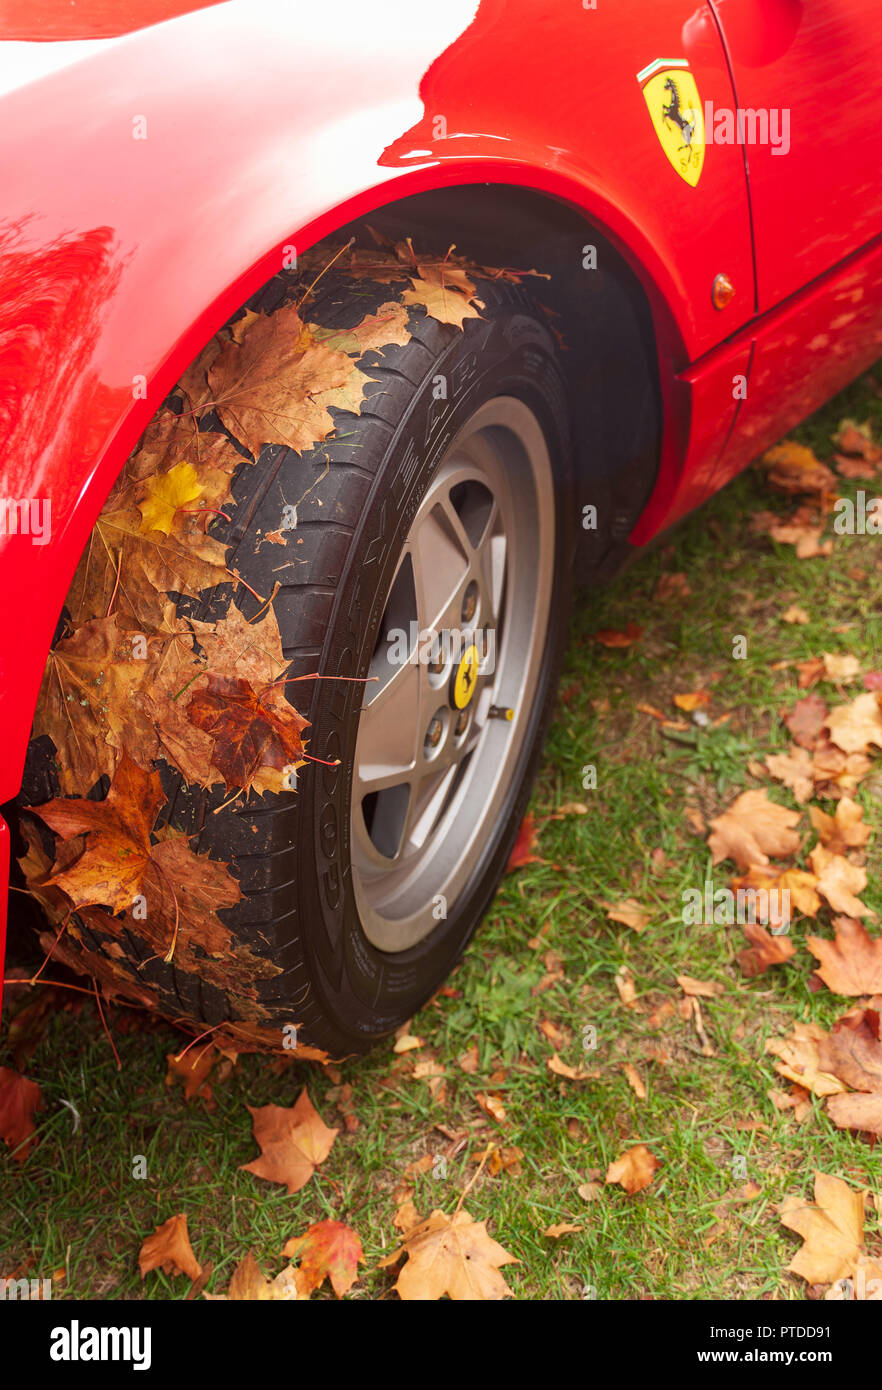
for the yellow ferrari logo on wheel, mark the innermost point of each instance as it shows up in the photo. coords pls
(466, 677)
(674, 106)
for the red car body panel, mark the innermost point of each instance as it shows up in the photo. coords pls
(269, 126)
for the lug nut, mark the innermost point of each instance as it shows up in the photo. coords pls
(434, 732)
(470, 602)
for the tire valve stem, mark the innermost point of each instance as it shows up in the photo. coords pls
(500, 712)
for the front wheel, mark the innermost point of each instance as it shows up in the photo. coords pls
(428, 574)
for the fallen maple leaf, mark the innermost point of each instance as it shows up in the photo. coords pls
(852, 963)
(561, 1068)
(843, 830)
(293, 1142)
(274, 385)
(249, 1285)
(453, 1256)
(858, 725)
(522, 851)
(629, 912)
(701, 989)
(165, 494)
(840, 666)
(839, 881)
(19, 1098)
(613, 637)
(328, 1250)
(752, 828)
(858, 1110)
(764, 951)
(832, 1230)
(247, 732)
(794, 769)
(634, 1169)
(117, 852)
(794, 469)
(445, 292)
(806, 720)
(672, 586)
(853, 1052)
(800, 1059)
(169, 1249)
(693, 699)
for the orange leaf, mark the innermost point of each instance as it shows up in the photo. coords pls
(634, 1169)
(169, 1249)
(293, 1142)
(328, 1250)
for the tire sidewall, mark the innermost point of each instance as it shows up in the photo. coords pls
(367, 992)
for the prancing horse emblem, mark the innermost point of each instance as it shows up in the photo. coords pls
(674, 105)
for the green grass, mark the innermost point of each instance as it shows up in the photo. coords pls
(74, 1202)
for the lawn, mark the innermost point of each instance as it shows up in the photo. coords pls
(550, 973)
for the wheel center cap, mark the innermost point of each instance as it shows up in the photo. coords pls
(465, 677)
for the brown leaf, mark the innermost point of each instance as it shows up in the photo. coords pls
(329, 1250)
(613, 637)
(445, 292)
(844, 830)
(275, 384)
(247, 731)
(852, 963)
(249, 1285)
(794, 769)
(635, 1080)
(672, 586)
(839, 881)
(561, 1068)
(111, 868)
(293, 1142)
(453, 1256)
(19, 1098)
(702, 989)
(795, 469)
(753, 828)
(634, 1169)
(628, 911)
(764, 951)
(860, 1110)
(854, 1054)
(800, 1059)
(840, 666)
(169, 1249)
(806, 720)
(857, 726)
(832, 1230)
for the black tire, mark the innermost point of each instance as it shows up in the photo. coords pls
(291, 853)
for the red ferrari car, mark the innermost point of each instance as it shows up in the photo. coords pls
(337, 342)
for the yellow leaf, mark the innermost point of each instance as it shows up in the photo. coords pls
(166, 492)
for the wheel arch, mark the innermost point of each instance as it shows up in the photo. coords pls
(511, 220)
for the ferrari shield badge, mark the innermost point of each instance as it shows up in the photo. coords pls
(674, 107)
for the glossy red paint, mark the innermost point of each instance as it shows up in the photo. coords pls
(46, 21)
(817, 62)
